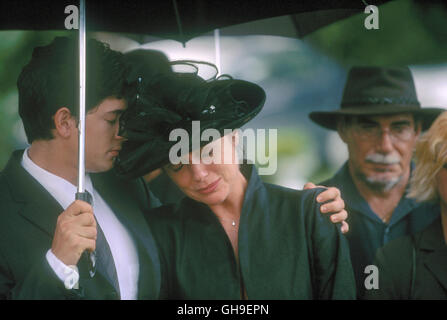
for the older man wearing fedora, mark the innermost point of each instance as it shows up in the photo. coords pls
(380, 120)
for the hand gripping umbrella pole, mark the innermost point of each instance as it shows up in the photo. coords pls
(81, 194)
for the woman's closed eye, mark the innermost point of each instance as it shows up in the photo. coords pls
(175, 167)
(208, 154)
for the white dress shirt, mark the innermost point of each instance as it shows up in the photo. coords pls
(121, 244)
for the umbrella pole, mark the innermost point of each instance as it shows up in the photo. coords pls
(81, 194)
(81, 129)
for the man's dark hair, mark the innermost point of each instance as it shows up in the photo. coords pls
(50, 81)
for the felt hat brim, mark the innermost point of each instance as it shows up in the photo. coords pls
(329, 119)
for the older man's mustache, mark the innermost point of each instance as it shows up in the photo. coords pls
(383, 159)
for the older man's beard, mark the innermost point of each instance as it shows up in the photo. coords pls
(381, 184)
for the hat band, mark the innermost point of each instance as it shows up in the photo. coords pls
(381, 100)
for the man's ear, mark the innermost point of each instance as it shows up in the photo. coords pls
(64, 123)
(418, 128)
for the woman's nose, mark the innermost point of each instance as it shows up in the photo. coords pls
(199, 171)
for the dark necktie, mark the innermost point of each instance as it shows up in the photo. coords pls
(103, 256)
(104, 259)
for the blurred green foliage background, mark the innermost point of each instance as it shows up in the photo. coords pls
(15, 51)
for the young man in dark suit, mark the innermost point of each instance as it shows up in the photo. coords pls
(43, 230)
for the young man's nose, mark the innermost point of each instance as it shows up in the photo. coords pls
(120, 138)
(117, 134)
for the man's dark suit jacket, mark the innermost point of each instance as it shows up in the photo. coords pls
(28, 215)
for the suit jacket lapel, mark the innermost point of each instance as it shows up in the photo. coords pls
(37, 204)
(436, 262)
(122, 198)
(432, 242)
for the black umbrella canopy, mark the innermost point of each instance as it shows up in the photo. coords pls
(296, 25)
(180, 20)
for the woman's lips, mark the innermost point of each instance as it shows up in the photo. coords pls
(210, 188)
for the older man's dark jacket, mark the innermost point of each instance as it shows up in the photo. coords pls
(287, 249)
(28, 215)
(367, 232)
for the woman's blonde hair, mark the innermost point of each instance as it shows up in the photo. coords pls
(431, 155)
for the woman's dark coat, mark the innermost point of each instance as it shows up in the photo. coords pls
(401, 278)
(287, 249)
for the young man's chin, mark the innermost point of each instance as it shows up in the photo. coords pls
(106, 165)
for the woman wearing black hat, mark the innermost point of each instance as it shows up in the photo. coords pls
(233, 236)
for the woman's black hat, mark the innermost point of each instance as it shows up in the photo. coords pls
(173, 101)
